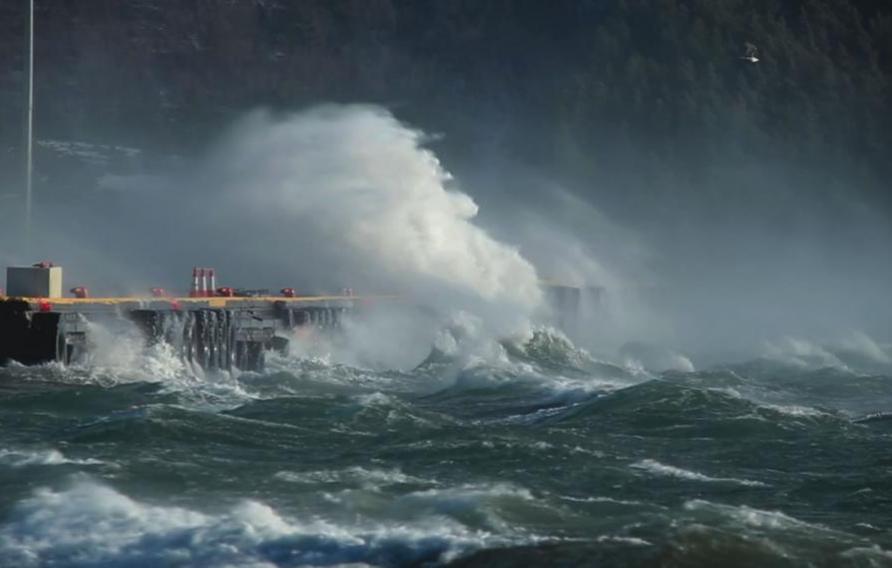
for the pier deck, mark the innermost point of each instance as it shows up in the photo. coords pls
(221, 332)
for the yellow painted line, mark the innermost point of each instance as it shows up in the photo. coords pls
(213, 301)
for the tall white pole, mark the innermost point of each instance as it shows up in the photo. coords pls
(29, 122)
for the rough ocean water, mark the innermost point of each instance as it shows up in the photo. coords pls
(536, 455)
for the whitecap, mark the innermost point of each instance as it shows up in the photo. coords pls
(624, 540)
(752, 517)
(873, 555)
(657, 468)
(355, 474)
(374, 399)
(94, 525)
(581, 450)
(20, 458)
(795, 410)
(727, 391)
(610, 500)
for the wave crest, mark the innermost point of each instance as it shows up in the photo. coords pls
(94, 525)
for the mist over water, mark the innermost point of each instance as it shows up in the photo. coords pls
(330, 198)
(696, 417)
(347, 196)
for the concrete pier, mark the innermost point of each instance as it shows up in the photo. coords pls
(213, 332)
(215, 328)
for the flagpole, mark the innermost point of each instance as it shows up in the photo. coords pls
(29, 122)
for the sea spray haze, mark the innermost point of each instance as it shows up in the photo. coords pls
(733, 402)
(466, 433)
(457, 442)
(331, 197)
(354, 189)
(476, 438)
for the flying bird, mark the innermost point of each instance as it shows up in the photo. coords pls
(752, 53)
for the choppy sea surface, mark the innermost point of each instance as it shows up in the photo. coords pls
(541, 456)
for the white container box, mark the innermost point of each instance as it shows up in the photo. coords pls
(34, 281)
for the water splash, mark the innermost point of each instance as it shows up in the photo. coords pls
(374, 202)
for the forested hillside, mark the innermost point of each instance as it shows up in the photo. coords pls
(615, 90)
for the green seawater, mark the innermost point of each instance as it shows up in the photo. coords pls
(545, 458)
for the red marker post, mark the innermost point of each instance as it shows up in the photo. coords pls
(194, 291)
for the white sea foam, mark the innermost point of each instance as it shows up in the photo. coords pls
(795, 410)
(657, 468)
(527, 358)
(120, 354)
(352, 475)
(362, 188)
(486, 502)
(623, 540)
(755, 518)
(374, 399)
(19, 458)
(296, 368)
(728, 391)
(495, 508)
(610, 500)
(471, 493)
(94, 525)
(581, 450)
(466, 341)
(871, 555)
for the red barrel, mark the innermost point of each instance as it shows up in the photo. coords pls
(80, 292)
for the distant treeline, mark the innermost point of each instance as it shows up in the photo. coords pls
(583, 87)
